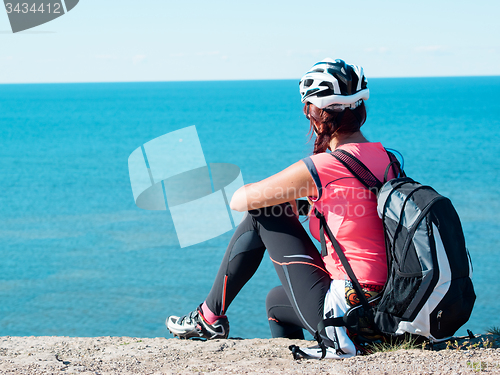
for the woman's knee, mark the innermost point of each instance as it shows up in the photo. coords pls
(277, 303)
(273, 298)
(281, 317)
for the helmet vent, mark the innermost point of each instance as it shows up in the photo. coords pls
(310, 92)
(308, 82)
(327, 84)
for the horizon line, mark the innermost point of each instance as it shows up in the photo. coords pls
(229, 80)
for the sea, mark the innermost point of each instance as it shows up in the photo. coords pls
(79, 258)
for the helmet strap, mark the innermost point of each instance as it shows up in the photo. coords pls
(357, 115)
(338, 119)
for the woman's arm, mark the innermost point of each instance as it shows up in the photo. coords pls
(289, 184)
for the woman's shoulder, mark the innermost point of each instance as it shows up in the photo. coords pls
(320, 161)
(368, 151)
(372, 154)
(362, 150)
(364, 147)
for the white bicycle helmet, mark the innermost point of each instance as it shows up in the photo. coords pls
(334, 84)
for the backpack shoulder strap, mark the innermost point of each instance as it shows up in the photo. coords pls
(363, 174)
(358, 169)
(347, 267)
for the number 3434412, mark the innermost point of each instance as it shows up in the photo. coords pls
(26, 8)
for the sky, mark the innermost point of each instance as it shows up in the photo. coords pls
(161, 40)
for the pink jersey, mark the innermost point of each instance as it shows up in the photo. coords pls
(351, 212)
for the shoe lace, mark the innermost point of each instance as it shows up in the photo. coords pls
(190, 318)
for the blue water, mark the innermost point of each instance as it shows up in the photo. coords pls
(78, 257)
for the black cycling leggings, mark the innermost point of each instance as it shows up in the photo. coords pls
(298, 303)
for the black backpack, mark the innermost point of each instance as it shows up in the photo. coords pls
(429, 290)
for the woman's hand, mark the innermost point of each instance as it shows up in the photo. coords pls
(286, 186)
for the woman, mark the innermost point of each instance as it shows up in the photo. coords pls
(313, 287)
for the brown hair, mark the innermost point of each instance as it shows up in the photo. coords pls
(332, 124)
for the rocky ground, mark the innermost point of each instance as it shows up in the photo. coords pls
(127, 355)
